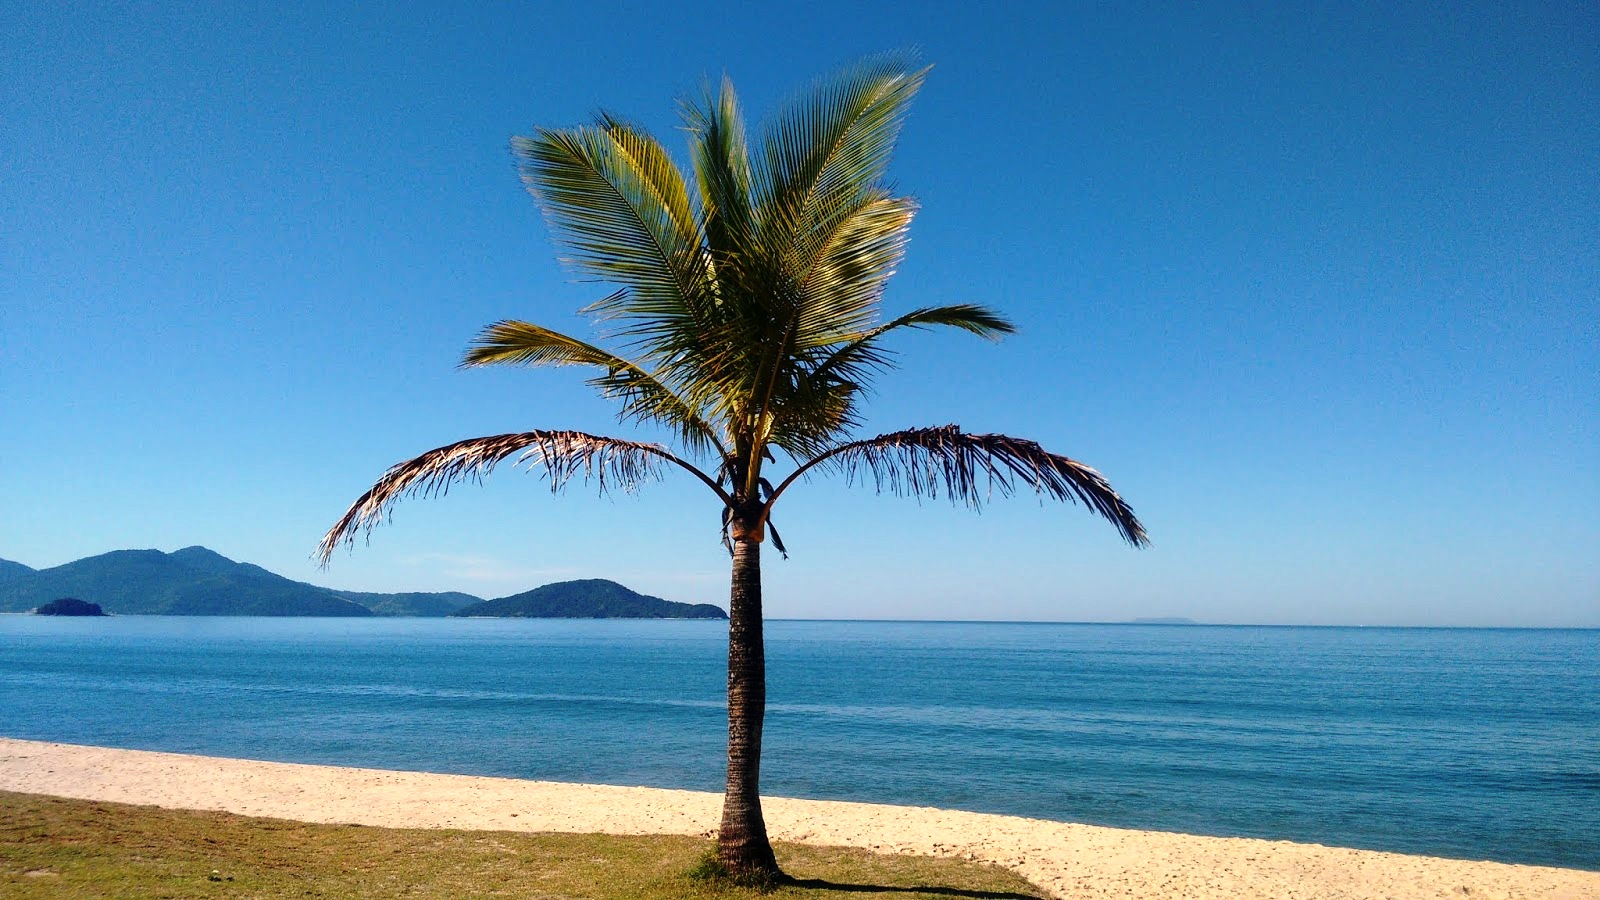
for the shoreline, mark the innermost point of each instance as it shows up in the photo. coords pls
(1070, 860)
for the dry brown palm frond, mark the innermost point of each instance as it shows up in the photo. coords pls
(970, 468)
(564, 455)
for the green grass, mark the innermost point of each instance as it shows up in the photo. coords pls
(56, 848)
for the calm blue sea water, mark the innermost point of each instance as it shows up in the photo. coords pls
(1467, 743)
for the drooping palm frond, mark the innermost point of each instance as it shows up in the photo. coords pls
(644, 397)
(969, 468)
(564, 455)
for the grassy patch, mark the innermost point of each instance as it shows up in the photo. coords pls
(56, 848)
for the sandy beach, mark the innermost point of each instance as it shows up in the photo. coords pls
(1070, 860)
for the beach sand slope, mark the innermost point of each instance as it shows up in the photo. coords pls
(1073, 861)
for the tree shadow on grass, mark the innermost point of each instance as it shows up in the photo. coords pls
(823, 885)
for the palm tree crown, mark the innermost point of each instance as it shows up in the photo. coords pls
(748, 305)
(747, 320)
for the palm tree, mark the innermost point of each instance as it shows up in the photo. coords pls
(747, 312)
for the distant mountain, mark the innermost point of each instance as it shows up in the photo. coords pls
(10, 571)
(195, 581)
(441, 604)
(592, 598)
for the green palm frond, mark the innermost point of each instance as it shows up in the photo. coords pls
(521, 343)
(829, 236)
(655, 166)
(971, 468)
(835, 142)
(840, 290)
(821, 402)
(854, 359)
(644, 397)
(812, 415)
(620, 206)
(721, 159)
(980, 320)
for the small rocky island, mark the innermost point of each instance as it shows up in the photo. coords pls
(589, 598)
(69, 606)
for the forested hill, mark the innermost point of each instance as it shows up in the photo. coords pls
(10, 571)
(195, 581)
(592, 598)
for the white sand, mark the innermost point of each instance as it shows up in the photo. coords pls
(1071, 860)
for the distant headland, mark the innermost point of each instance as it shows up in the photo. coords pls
(591, 598)
(196, 581)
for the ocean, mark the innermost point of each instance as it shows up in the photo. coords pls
(1470, 743)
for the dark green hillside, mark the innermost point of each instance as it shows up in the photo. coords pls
(440, 604)
(593, 598)
(193, 581)
(9, 571)
(69, 606)
(202, 559)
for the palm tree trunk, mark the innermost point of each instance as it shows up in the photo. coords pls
(742, 843)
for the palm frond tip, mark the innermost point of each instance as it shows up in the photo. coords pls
(564, 455)
(969, 468)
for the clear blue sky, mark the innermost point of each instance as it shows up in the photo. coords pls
(1317, 286)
